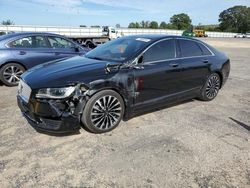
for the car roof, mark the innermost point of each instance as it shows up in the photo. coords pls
(153, 37)
(149, 36)
(17, 34)
(156, 37)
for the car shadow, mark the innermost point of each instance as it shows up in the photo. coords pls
(247, 127)
(149, 111)
(77, 132)
(161, 108)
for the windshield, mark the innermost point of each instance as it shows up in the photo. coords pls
(118, 50)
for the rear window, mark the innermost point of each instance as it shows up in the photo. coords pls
(29, 42)
(25, 42)
(189, 48)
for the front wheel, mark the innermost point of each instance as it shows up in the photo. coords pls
(211, 87)
(10, 74)
(103, 112)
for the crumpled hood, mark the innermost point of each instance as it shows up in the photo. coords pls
(60, 73)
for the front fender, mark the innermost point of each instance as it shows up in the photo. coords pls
(120, 82)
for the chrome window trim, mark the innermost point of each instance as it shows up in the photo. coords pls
(179, 58)
(199, 43)
(176, 58)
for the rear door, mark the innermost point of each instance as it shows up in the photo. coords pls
(31, 50)
(195, 62)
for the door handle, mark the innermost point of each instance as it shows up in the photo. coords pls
(22, 52)
(138, 67)
(174, 64)
(205, 61)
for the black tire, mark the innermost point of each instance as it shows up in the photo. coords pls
(90, 45)
(211, 88)
(103, 112)
(10, 73)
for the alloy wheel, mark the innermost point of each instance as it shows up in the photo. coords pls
(213, 86)
(106, 112)
(12, 74)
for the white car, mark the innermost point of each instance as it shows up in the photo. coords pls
(242, 36)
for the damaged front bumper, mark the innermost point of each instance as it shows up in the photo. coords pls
(52, 116)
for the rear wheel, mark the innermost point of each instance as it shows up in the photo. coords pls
(103, 112)
(90, 45)
(10, 74)
(211, 87)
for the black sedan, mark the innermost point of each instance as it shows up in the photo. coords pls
(22, 51)
(119, 79)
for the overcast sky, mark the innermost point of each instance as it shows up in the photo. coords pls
(110, 12)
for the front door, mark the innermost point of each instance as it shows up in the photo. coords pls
(158, 77)
(62, 47)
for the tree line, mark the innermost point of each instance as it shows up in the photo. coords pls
(234, 19)
(178, 21)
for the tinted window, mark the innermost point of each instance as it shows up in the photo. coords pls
(160, 51)
(29, 42)
(25, 42)
(39, 42)
(189, 48)
(57, 42)
(205, 50)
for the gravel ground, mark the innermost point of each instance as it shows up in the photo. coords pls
(193, 144)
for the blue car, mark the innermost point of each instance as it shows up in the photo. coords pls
(22, 51)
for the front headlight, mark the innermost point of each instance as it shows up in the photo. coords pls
(55, 93)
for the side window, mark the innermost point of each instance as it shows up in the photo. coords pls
(25, 42)
(57, 42)
(39, 42)
(189, 48)
(29, 42)
(204, 50)
(160, 51)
